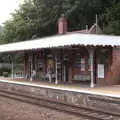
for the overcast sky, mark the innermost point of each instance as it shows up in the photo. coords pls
(7, 7)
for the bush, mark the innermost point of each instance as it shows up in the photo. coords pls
(5, 74)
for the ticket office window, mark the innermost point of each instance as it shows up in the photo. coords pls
(85, 63)
(80, 64)
(81, 69)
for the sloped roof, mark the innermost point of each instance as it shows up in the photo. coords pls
(62, 41)
(94, 29)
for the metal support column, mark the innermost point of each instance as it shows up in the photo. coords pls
(31, 70)
(25, 66)
(91, 52)
(11, 59)
(12, 71)
(56, 72)
(64, 68)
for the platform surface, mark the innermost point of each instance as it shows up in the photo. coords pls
(111, 91)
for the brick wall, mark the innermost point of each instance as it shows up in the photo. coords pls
(114, 72)
(116, 54)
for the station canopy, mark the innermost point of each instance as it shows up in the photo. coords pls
(63, 41)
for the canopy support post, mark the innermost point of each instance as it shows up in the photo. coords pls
(31, 70)
(56, 72)
(91, 53)
(12, 71)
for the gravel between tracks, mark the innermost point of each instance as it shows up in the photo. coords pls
(16, 110)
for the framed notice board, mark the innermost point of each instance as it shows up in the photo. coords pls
(101, 71)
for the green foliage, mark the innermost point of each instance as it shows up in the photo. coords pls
(112, 15)
(2, 70)
(5, 74)
(20, 27)
(9, 58)
(37, 18)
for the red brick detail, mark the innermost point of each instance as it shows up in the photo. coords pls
(114, 72)
(115, 54)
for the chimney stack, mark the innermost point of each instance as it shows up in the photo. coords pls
(62, 25)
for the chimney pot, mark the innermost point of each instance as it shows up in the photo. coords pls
(62, 25)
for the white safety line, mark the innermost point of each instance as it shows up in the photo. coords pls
(65, 89)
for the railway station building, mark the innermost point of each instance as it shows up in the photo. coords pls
(84, 56)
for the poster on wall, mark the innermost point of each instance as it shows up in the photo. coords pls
(100, 71)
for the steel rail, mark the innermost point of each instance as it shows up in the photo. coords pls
(60, 106)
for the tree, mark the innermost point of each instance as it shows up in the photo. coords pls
(112, 20)
(38, 18)
(20, 27)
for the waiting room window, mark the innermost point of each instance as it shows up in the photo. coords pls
(82, 64)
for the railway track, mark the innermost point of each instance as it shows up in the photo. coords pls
(71, 109)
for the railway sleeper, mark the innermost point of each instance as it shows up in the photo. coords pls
(67, 108)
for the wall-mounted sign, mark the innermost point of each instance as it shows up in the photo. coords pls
(100, 71)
